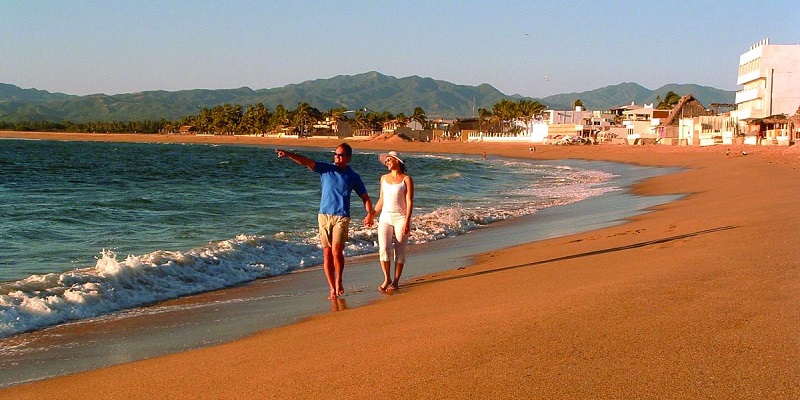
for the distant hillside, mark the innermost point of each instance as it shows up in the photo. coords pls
(15, 93)
(370, 90)
(625, 93)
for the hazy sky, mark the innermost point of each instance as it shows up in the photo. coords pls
(532, 48)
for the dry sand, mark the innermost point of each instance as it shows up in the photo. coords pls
(695, 300)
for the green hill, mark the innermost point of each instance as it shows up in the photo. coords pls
(371, 90)
(625, 93)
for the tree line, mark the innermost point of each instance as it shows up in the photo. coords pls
(255, 119)
(502, 116)
(258, 119)
(86, 127)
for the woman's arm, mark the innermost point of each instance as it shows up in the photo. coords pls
(409, 202)
(379, 204)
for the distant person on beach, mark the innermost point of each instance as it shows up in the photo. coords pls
(338, 182)
(395, 204)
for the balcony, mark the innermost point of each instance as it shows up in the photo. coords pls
(749, 95)
(749, 77)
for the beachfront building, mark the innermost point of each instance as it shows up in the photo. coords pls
(462, 129)
(390, 126)
(551, 127)
(641, 124)
(706, 130)
(576, 117)
(794, 126)
(691, 123)
(566, 125)
(187, 130)
(614, 131)
(600, 126)
(414, 130)
(770, 76)
(523, 132)
(329, 123)
(440, 128)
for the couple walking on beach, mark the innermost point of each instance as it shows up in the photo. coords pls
(394, 208)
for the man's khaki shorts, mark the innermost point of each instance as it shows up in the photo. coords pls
(333, 229)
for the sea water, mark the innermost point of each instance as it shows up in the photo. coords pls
(153, 221)
(91, 228)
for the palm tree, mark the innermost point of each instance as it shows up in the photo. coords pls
(504, 112)
(419, 116)
(204, 121)
(256, 119)
(383, 117)
(361, 120)
(527, 110)
(484, 119)
(373, 121)
(304, 115)
(669, 101)
(337, 114)
(280, 116)
(227, 118)
(402, 120)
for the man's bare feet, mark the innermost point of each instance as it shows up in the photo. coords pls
(332, 295)
(394, 286)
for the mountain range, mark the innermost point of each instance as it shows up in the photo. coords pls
(371, 90)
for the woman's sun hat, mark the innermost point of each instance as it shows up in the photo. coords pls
(392, 154)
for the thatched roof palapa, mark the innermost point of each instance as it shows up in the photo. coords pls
(692, 105)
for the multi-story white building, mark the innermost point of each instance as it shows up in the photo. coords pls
(770, 76)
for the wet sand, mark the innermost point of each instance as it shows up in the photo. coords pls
(698, 299)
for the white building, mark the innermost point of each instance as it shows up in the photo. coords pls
(706, 130)
(770, 76)
(527, 132)
(641, 124)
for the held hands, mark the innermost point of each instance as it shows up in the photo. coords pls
(369, 220)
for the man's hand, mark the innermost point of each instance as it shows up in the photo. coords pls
(368, 221)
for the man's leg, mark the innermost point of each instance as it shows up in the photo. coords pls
(338, 266)
(326, 238)
(328, 266)
(340, 229)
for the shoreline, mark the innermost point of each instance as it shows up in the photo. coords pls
(298, 296)
(673, 303)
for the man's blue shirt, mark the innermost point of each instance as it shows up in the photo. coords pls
(336, 188)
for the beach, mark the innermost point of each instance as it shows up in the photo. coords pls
(699, 298)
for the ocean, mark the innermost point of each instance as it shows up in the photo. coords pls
(94, 230)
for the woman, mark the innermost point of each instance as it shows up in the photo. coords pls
(394, 205)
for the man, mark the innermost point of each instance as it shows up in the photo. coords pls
(338, 182)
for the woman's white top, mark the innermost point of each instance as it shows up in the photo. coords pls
(394, 197)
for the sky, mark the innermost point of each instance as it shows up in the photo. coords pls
(532, 48)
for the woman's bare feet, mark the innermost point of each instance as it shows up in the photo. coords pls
(384, 286)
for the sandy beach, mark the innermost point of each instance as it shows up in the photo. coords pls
(699, 298)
